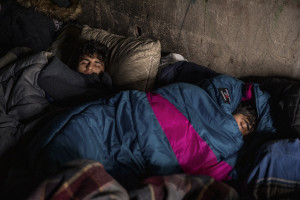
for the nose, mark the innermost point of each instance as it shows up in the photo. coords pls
(89, 66)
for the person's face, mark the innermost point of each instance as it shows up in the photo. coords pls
(243, 123)
(90, 65)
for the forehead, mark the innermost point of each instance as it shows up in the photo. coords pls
(90, 56)
(240, 116)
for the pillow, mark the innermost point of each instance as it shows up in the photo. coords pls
(133, 62)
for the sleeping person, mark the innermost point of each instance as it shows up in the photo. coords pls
(93, 59)
(180, 128)
(246, 117)
(86, 81)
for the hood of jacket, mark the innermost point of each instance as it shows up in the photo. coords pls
(53, 10)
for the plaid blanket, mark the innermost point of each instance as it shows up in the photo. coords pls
(80, 179)
(87, 179)
(183, 186)
(271, 188)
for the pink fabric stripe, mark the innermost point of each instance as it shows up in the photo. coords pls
(248, 92)
(192, 152)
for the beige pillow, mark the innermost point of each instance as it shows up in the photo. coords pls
(133, 61)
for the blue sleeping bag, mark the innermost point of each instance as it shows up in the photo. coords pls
(180, 128)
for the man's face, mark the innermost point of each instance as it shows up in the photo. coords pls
(90, 65)
(243, 123)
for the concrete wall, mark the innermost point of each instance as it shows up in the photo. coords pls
(235, 37)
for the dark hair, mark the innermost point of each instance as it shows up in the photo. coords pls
(91, 47)
(249, 111)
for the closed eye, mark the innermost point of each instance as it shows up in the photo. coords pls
(245, 125)
(84, 61)
(248, 126)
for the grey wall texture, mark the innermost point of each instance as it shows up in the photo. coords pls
(235, 37)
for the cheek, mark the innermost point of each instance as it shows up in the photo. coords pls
(240, 126)
(80, 67)
(100, 68)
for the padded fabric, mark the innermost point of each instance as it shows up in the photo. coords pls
(134, 134)
(133, 61)
(68, 87)
(137, 134)
(276, 172)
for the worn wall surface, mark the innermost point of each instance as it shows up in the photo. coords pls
(236, 37)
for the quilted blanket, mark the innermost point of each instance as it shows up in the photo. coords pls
(180, 128)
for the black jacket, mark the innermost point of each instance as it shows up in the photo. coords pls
(24, 27)
(285, 105)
